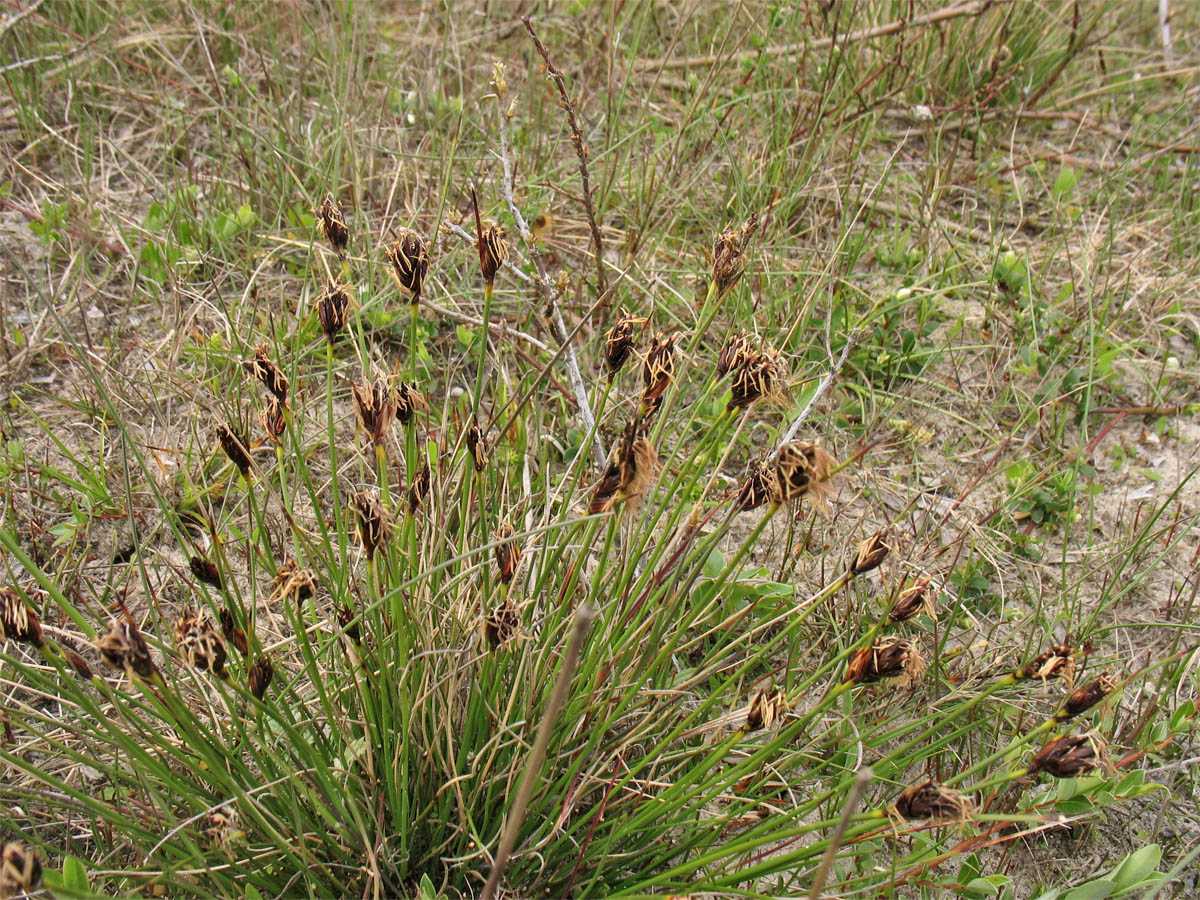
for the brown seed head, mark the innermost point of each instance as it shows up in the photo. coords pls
(373, 527)
(232, 633)
(409, 257)
(260, 675)
(78, 663)
(508, 554)
(638, 466)
(293, 581)
(221, 827)
(729, 250)
(349, 622)
(409, 401)
(621, 341)
(205, 571)
(871, 553)
(17, 621)
(801, 467)
(332, 224)
(760, 486)
(198, 643)
(492, 249)
(125, 648)
(929, 800)
(1056, 662)
(274, 418)
(477, 446)
(766, 708)
(235, 446)
(376, 408)
(1084, 698)
(888, 657)
(657, 370)
(272, 377)
(418, 490)
(605, 493)
(1068, 756)
(915, 599)
(332, 311)
(501, 624)
(734, 352)
(20, 870)
(759, 377)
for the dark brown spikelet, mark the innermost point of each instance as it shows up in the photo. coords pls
(492, 249)
(349, 622)
(198, 643)
(376, 408)
(17, 621)
(766, 708)
(1084, 698)
(1068, 756)
(293, 581)
(729, 248)
(759, 377)
(657, 370)
(79, 664)
(508, 554)
(232, 633)
(914, 600)
(1056, 662)
(20, 870)
(7, 735)
(260, 675)
(477, 446)
(888, 657)
(409, 257)
(621, 342)
(274, 418)
(272, 377)
(409, 401)
(221, 827)
(638, 463)
(333, 225)
(929, 800)
(734, 352)
(501, 624)
(125, 648)
(235, 447)
(606, 490)
(418, 490)
(333, 310)
(760, 486)
(870, 553)
(205, 571)
(373, 527)
(802, 467)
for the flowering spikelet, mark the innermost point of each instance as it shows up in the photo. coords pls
(803, 468)
(620, 343)
(760, 376)
(198, 643)
(205, 571)
(293, 581)
(125, 648)
(477, 446)
(376, 408)
(260, 675)
(761, 486)
(78, 663)
(418, 490)
(929, 800)
(734, 352)
(272, 377)
(232, 633)
(333, 225)
(221, 827)
(409, 401)
(500, 624)
(20, 870)
(349, 622)
(729, 249)
(274, 418)
(914, 600)
(1056, 662)
(657, 370)
(1068, 756)
(332, 310)
(492, 249)
(871, 553)
(766, 708)
(1084, 698)
(17, 621)
(235, 446)
(409, 257)
(373, 528)
(888, 657)
(605, 493)
(629, 472)
(508, 554)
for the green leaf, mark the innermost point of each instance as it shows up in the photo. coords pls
(1093, 890)
(1137, 865)
(252, 893)
(1064, 184)
(245, 216)
(74, 875)
(714, 564)
(426, 890)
